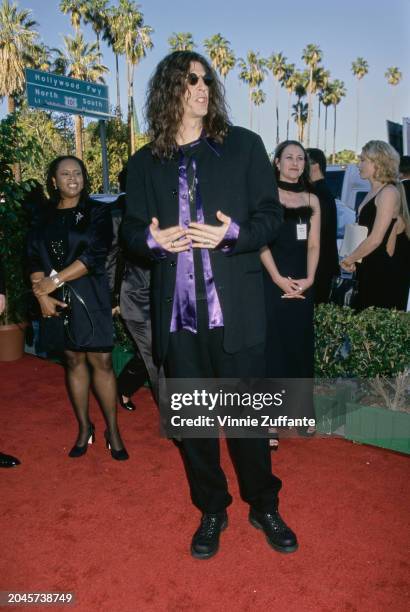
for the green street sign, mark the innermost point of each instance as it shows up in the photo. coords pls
(53, 92)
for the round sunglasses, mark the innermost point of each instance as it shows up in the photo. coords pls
(193, 79)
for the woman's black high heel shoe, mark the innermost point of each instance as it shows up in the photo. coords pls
(119, 455)
(79, 451)
(126, 404)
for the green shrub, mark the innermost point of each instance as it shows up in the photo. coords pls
(372, 347)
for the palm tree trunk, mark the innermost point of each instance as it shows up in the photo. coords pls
(309, 117)
(117, 80)
(277, 110)
(334, 136)
(357, 117)
(131, 146)
(318, 125)
(288, 120)
(79, 136)
(11, 104)
(325, 142)
(250, 108)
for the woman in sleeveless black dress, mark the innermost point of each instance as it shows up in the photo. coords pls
(290, 264)
(379, 258)
(67, 255)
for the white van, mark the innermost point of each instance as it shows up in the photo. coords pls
(349, 190)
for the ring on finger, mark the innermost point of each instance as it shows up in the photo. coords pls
(172, 245)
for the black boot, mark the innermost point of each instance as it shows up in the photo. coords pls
(7, 461)
(205, 542)
(277, 533)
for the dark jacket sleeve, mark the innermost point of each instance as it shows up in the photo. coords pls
(95, 254)
(2, 281)
(35, 263)
(115, 262)
(136, 220)
(265, 210)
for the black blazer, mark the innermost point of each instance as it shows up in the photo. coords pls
(239, 180)
(89, 240)
(128, 277)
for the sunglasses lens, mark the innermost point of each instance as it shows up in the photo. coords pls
(194, 78)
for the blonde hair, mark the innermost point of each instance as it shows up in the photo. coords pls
(386, 161)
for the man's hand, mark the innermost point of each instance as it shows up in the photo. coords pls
(173, 239)
(43, 286)
(205, 236)
(2, 303)
(115, 311)
(49, 305)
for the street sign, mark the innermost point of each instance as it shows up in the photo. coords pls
(63, 94)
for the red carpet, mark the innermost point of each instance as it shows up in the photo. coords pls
(118, 534)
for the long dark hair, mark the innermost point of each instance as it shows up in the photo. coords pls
(304, 179)
(54, 192)
(164, 108)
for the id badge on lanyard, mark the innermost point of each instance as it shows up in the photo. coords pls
(301, 231)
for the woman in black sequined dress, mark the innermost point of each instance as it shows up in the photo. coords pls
(290, 264)
(67, 254)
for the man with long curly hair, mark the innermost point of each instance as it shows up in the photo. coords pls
(201, 202)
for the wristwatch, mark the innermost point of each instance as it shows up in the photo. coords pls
(56, 279)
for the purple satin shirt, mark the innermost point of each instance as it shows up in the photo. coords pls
(184, 314)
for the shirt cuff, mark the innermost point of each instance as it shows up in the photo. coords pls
(157, 251)
(230, 239)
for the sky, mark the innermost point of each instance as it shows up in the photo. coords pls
(344, 30)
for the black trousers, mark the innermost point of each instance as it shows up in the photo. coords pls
(202, 355)
(142, 336)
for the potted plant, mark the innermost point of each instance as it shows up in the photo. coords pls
(15, 148)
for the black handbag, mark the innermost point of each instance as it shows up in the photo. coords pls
(54, 331)
(52, 334)
(344, 291)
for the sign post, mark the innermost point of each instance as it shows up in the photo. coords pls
(63, 94)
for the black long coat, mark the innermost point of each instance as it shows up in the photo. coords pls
(237, 179)
(89, 240)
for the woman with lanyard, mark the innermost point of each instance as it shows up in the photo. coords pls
(290, 264)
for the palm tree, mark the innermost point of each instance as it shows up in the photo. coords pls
(326, 99)
(221, 55)
(80, 60)
(109, 37)
(132, 39)
(289, 80)
(337, 92)
(300, 115)
(252, 72)
(227, 63)
(258, 98)
(95, 13)
(77, 10)
(181, 41)
(276, 64)
(320, 78)
(393, 76)
(17, 43)
(312, 56)
(360, 68)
